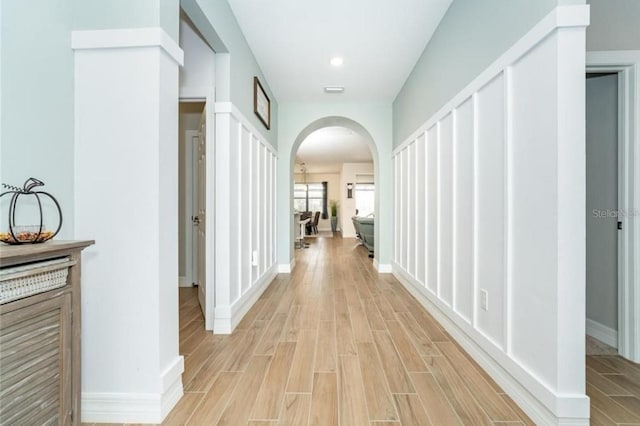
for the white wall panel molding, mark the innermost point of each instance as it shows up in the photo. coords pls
(243, 304)
(500, 170)
(560, 17)
(230, 108)
(127, 38)
(500, 367)
(245, 261)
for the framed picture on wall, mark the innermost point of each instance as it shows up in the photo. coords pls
(261, 103)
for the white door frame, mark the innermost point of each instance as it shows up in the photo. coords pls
(189, 200)
(627, 65)
(209, 107)
(210, 288)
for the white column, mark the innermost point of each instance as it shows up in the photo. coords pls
(126, 192)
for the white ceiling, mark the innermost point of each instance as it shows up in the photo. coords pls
(324, 150)
(380, 41)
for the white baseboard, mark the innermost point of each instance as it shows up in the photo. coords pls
(115, 407)
(382, 268)
(602, 332)
(172, 386)
(228, 317)
(522, 396)
(184, 282)
(287, 268)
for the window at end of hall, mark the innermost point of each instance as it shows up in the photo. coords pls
(308, 197)
(365, 198)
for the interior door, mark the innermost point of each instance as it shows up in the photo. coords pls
(201, 217)
(193, 205)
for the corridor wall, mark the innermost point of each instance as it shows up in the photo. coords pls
(489, 218)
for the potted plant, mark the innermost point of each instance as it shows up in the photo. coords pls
(333, 204)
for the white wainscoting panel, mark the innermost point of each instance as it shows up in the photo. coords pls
(420, 218)
(445, 209)
(533, 208)
(487, 193)
(410, 167)
(463, 199)
(249, 235)
(431, 234)
(490, 208)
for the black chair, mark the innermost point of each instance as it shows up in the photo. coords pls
(312, 226)
(314, 223)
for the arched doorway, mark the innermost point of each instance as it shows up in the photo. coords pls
(336, 121)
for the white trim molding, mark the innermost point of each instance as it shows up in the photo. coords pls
(560, 17)
(109, 407)
(627, 64)
(287, 268)
(245, 226)
(230, 108)
(227, 318)
(127, 38)
(503, 218)
(602, 332)
(518, 391)
(184, 282)
(382, 268)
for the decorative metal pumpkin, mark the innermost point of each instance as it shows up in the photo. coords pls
(28, 234)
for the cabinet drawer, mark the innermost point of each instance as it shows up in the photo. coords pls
(26, 280)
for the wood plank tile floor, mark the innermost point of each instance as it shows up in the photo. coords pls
(613, 385)
(336, 343)
(333, 343)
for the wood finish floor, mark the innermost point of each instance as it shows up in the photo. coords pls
(335, 343)
(613, 385)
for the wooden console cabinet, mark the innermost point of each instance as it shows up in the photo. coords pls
(40, 333)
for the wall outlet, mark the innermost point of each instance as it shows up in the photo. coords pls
(254, 258)
(484, 299)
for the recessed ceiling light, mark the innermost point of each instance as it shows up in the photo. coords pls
(334, 89)
(337, 61)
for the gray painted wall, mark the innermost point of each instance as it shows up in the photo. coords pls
(115, 14)
(602, 196)
(36, 130)
(470, 37)
(615, 25)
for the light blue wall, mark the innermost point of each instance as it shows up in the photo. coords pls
(615, 25)
(375, 118)
(235, 71)
(115, 14)
(470, 37)
(36, 130)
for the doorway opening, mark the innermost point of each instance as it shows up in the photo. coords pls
(196, 131)
(613, 298)
(603, 219)
(191, 187)
(334, 170)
